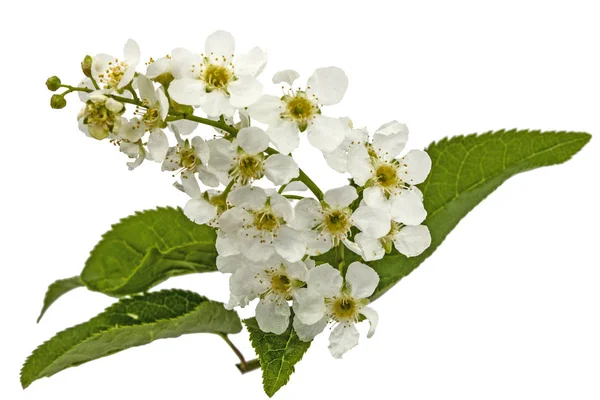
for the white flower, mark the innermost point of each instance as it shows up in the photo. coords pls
(328, 223)
(389, 180)
(338, 158)
(101, 116)
(300, 110)
(214, 80)
(407, 239)
(275, 282)
(190, 158)
(328, 298)
(202, 208)
(257, 224)
(112, 74)
(155, 108)
(244, 161)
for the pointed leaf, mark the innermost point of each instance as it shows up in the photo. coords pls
(277, 354)
(128, 323)
(147, 248)
(465, 170)
(57, 289)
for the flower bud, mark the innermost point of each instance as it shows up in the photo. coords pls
(57, 101)
(53, 83)
(86, 66)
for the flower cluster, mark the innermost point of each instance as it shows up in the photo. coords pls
(282, 240)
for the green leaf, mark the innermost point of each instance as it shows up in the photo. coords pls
(56, 290)
(128, 323)
(147, 248)
(465, 170)
(277, 354)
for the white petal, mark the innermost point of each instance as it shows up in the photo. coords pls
(201, 149)
(222, 153)
(373, 318)
(113, 105)
(308, 214)
(389, 147)
(361, 279)
(126, 78)
(248, 197)
(158, 67)
(183, 126)
(297, 270)
(85, 83)
(243, 283)
(373, 196)
(337, 159)
(200, 211)
(290, 244)
(343, 338)
(359, 165)
(146, 88)
(295, 186)
(252, 140)
(340, 197)
(256, 245)
(371, 248)
(393, 128)
(326, 133)
(273, 316)
(232, 220)
(407, 207)
(188, 91)
(158, 145)
(219, 44)
(309, 306)
(374, 222)
(132, 130)
(267, 109)
(328, 84)
(306, 333)
(208, 176)
(325, 280)
(230, 264)
(317, 243)
(132, 53)
(284, 136)
(288, 76)
(225, 245)
(251, 63)
(190, 185)
(245, 91)
(415, 167)
(163, 103)
(100, 64)
(183, 62)
(282, 207)
(216, 104)
(412, 240)
(281, 169)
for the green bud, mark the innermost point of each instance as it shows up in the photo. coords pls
(180, 108)
(387, 244)
(57, 101)
(53, 83)
(164, 79)
(86, 66)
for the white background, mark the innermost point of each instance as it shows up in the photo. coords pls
(507, 308)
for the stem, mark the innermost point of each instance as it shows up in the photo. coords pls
(249, 366)
(237, 352)
(217, 124)
(341, 257)
(302, 177)
(293, 197)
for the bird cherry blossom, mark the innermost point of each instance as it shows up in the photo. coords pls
(300, 110)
